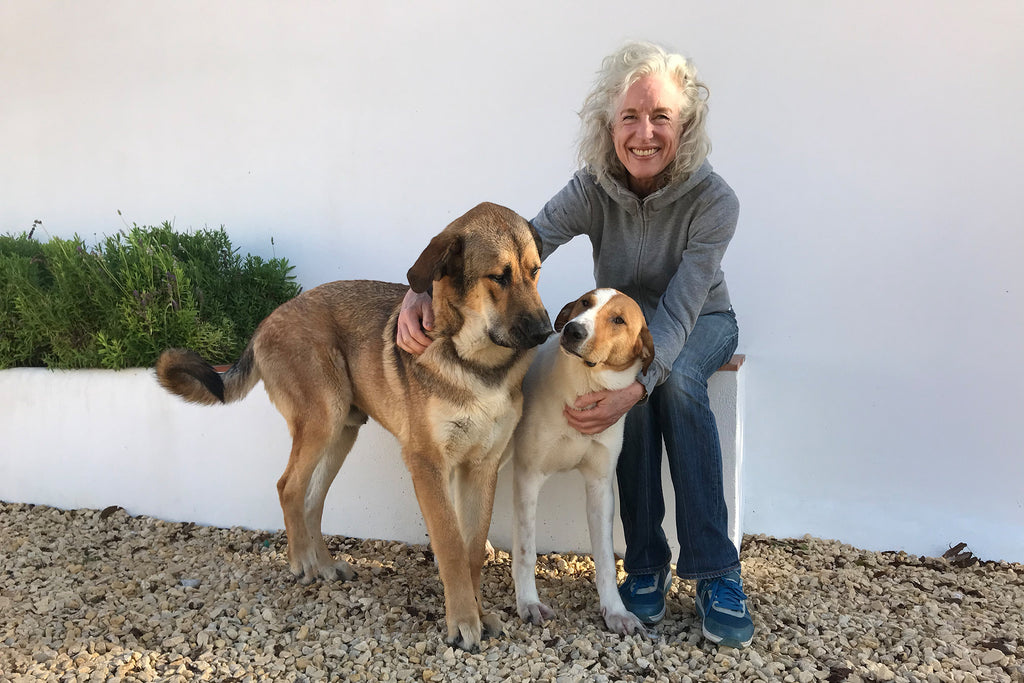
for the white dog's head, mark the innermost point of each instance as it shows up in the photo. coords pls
(606, 328)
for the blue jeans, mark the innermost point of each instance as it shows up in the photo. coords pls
(679, 412)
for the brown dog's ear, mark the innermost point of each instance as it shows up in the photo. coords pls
(564, 315)
(645, 348)
(442, 257)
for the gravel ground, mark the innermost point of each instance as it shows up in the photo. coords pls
(88, 595)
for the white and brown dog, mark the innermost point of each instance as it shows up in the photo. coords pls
(604, 343)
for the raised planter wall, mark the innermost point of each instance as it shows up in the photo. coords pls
(95, 438)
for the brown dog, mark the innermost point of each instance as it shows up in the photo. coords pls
(328, 359)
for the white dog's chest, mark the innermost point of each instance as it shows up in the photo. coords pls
(567, 449)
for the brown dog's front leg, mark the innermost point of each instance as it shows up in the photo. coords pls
(462, 615)
(474, 501)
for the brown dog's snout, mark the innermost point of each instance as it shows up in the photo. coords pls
(532, 329)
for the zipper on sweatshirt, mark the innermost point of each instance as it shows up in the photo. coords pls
(641, 244)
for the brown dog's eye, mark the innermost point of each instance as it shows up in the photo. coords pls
(618, 320)
(504, 279)
(585, 303)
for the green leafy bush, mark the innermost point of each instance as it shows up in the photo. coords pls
(119, 303)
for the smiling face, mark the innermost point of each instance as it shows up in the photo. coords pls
(645, 130)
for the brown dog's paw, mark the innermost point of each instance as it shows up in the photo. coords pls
(466, 636)
(492, 625)
(340, 570)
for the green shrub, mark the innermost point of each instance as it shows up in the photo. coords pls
(122, 301)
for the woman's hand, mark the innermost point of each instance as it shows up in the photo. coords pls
(415, 318)
(593, 413)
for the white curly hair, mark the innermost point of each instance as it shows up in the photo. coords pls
(619, 71)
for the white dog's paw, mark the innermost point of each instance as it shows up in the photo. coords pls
(535, 612)
(623, 623)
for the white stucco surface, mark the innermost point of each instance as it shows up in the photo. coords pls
(93, 438)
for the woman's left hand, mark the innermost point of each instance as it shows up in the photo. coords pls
(595, 412)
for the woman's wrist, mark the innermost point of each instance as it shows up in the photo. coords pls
(641, 392)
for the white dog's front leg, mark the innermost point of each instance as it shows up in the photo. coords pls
(600, 512)
(525, 491)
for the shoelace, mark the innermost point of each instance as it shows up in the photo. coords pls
(727, 596)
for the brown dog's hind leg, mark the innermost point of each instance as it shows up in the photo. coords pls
(319, 448)
(324, 474)
(309, 439)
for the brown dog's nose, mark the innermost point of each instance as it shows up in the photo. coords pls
(532, 330)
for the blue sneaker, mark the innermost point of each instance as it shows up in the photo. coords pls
(644, 595)
(722, 606)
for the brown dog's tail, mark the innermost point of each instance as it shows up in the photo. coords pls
(186, 374)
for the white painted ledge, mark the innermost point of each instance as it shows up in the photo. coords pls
(94, 438)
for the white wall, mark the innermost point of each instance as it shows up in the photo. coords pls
(94, 438)
(876, 148)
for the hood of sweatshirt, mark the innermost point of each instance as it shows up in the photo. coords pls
(667, 195)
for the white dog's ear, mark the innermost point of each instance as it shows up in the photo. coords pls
(565, 315)
(645, 348)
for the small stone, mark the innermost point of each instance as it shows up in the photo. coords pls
(992, 657)
(173, 641)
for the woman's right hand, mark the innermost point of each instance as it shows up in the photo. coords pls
(414, 319)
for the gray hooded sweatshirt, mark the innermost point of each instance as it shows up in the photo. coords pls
(664, 250)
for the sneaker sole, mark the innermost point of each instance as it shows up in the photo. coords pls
(726, 642)
(653, 620)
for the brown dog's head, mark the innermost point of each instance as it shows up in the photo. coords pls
(483, 268)
(605, 327)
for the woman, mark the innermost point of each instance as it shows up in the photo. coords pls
(659, 220)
